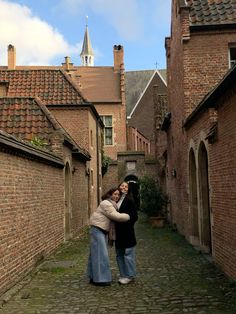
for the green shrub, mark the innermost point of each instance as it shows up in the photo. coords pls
(153, 199)
(105, 163)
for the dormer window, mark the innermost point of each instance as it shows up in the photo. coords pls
(232, 55)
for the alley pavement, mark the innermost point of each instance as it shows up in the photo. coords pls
(172, 278)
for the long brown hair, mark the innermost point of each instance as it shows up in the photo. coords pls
(109, 193)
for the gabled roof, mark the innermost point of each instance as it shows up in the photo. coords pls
(212, 12)
(27, 117)
(94, 84)
(137, 83)
(52, 86)
(24, 118)
(97, 84)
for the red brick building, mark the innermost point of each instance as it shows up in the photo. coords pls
(57, 91)
(44, 105)
(103, 86)
(43, 200)
(201, 127)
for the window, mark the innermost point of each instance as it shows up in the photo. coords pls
(232, 56)
(108, 130)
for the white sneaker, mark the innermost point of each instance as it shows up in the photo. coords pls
(124, 281)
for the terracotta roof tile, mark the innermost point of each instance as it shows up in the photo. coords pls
(211, 12)
(27, 117)
(24, 118)
(52, 86)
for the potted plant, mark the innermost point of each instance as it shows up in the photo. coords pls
(153, 201)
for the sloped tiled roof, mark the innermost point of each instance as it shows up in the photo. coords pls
(27, 117)
(97, 84)
(53, 87)
(24, 118)
(136, 82)
(212, 12)
(94, 84)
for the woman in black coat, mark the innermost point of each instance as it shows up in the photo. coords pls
(125, 236)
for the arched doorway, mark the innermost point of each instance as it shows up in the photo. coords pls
(67, 202)
(204, 202)
(193, 198)
(134, 188)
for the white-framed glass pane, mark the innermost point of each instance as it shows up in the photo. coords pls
(108, 136)
(108, 121)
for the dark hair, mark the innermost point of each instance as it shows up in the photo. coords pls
(122, 183)
(129, 192)
(109, 193)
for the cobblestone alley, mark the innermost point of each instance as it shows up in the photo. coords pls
(172, 278)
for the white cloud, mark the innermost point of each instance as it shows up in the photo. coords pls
(125, 16)
(36, 41)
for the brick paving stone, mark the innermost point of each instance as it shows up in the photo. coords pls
(172, 278)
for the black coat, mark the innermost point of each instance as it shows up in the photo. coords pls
(125, 235)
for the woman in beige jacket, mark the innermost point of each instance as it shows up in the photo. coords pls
(98, 269)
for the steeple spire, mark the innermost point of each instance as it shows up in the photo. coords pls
(87, 55)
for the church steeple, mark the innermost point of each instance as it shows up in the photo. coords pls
(87, 55)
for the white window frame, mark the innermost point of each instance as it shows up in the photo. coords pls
(108, 127)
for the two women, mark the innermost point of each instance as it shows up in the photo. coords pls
(98, 269)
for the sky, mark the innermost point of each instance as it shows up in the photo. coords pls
(45, 31)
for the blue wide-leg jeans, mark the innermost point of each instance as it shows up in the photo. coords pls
(125, 258)
(98, 263)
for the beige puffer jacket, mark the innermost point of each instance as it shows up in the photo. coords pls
(106, 212)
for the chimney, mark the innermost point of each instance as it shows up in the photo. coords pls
(67, 65)
(118, 57)
(11, 57)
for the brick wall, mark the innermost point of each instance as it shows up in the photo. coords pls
(75, 122)
(31, 214)
(118, 113)
(205, 63)
(136, 141)
(79, 123)
(80, 206)
(175, 136)
(196, 62)
(223, 186)
(221, 165)
(110, 179)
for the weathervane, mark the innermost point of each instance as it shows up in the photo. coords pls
(86, 20)
(156, 64)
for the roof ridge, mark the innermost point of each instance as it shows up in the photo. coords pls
(71, 81)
